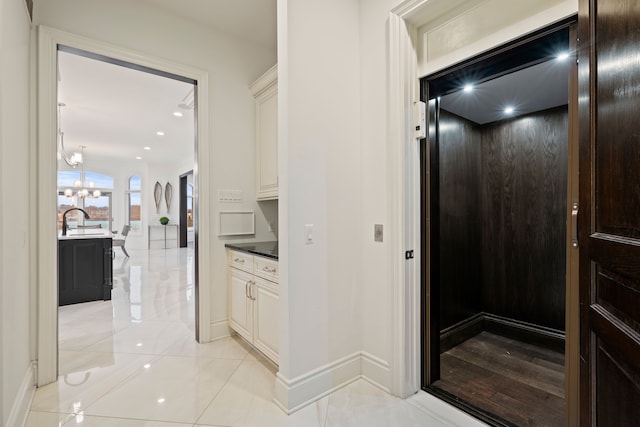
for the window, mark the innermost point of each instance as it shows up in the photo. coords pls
(98, 207)
(134, 202)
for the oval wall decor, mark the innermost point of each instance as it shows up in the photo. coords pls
(168, 192)
(157, 195)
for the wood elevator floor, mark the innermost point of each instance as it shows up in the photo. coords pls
(519, 382)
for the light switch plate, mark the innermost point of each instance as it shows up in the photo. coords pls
(308, 233)
(377, 232)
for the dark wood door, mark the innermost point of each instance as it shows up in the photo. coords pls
(609, 218)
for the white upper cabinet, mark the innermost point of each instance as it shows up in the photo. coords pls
(265, 92)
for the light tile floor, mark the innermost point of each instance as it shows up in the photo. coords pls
(133, 362)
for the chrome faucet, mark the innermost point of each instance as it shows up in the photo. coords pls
(64, 218)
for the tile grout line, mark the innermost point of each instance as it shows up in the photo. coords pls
(219, 391)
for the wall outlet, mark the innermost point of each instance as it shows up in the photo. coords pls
(377, 232)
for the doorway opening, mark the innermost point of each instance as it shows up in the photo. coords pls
(187, 229)
(137, 126)
(495, 185)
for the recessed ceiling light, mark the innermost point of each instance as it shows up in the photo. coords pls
(178, 114)
(509, 110)
(161, 400)
(468, 88)
(160, 133)
(139, 158)
(147, 148)
(562, 56)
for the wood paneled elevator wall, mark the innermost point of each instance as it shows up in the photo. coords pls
(502, 218)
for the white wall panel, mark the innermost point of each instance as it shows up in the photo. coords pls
(320, 161)
(14, 217)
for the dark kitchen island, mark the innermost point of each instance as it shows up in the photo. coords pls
(85, 268)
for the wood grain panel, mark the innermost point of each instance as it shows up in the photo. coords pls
(617, 91)
(524, 169)
(620, 254)
(617, 397)
(619, 296)
(620, 337)
(460, 220)
(609, 224)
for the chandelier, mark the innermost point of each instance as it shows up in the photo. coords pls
(82, 189)
(75, 158)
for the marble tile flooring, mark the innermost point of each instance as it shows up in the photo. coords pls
(133, 361)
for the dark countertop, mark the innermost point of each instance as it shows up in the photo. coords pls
(265, 249)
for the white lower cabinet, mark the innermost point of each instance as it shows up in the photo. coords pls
(240, 305)
(253, 301)
(265, 333)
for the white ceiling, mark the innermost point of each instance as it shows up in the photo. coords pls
(250, 20)
(115, 111)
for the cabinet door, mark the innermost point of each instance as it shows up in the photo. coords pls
(80, 270)
(240, 306)
(266, 318)
(267, 146)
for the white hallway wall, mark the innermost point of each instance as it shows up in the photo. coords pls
(16, 179)
(334, 153)
(320, 169)
(232, 65)
(377, 281)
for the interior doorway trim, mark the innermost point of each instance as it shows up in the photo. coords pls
(404, 203)
(47, 269)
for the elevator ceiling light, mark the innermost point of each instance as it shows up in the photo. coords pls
(562, 56)
(468, 88)
(509, 110)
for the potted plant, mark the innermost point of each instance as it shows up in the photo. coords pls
(164, 220)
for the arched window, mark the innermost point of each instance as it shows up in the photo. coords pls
(134, 202)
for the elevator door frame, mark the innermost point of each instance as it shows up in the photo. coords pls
(429, 173)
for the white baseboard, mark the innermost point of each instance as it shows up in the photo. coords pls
(22, 403)
(376, 371)
(219, 329)
(292, 395)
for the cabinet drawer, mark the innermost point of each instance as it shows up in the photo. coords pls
(241, 260)
(266, 268)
